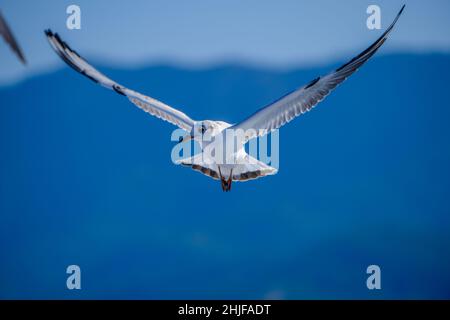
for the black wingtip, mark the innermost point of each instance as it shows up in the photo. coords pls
(377, 44)
(50, 33)
(23, 60)
(399, 14)
(394, 22)
(56, 35)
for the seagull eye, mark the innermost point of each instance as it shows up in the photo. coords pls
(203, 129)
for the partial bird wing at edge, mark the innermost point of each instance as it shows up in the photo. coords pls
(148, 104)
(305, 98)
(9, 38)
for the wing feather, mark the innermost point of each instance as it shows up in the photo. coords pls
(305, 98)
(5, 31)
(152, 106)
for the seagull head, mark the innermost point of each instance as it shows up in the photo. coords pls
(199, 129)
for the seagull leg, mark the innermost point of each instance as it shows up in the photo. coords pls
(226, 184)
(230, 180)
(222, 180)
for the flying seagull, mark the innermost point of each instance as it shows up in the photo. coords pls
(9, 38)
(260, 123)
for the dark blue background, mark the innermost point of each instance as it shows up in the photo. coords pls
(87, 179)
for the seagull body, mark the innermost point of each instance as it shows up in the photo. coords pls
(242, 166)
(6, 33)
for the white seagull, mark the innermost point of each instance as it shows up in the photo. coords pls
(260, 123)
(6, 33)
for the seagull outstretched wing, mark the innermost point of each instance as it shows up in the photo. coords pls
(9, 38)
(148, 104)
(305, 98)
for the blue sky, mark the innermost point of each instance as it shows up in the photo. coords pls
(201, 33)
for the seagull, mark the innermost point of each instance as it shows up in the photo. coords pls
(9, 38)
(262, 122)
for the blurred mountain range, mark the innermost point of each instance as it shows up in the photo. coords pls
(87, 179)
